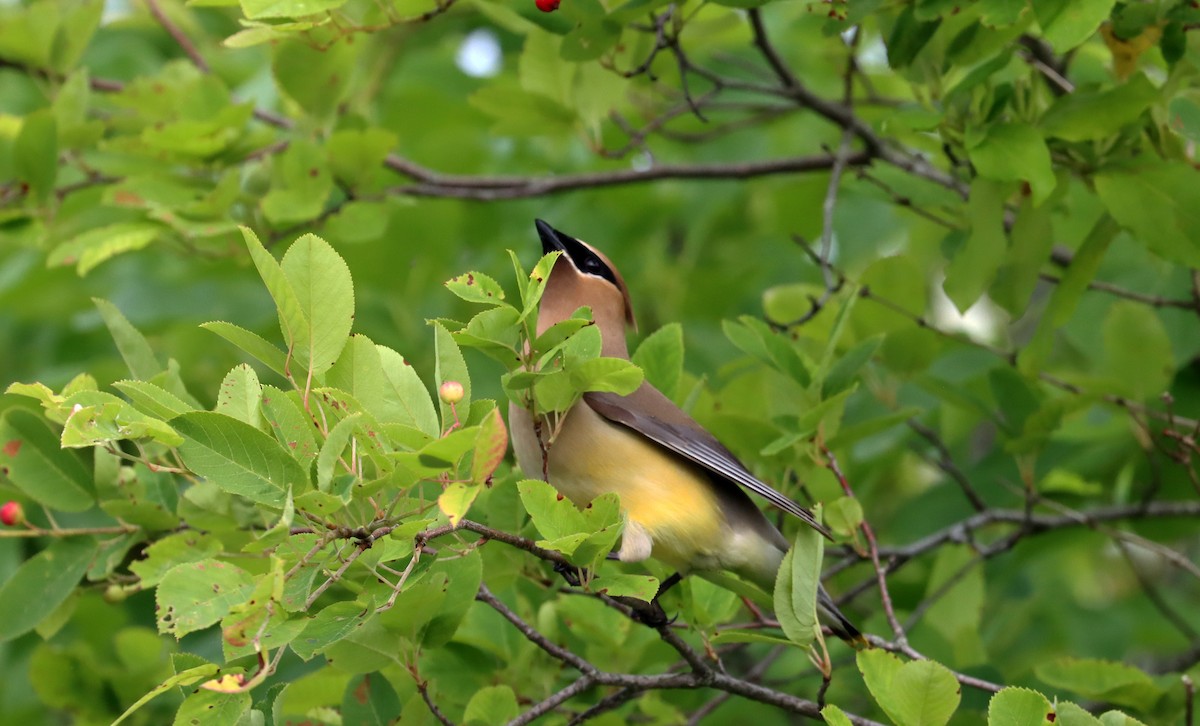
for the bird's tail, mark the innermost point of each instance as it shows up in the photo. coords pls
(837, 622)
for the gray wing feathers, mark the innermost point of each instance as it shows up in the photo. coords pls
(656, 417)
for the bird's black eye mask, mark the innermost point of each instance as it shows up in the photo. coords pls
(583, 258)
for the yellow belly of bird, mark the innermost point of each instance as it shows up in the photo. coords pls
(670, 501)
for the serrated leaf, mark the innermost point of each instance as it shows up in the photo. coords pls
(324, 293)
(195, 595)
(238, 458)
(293, 429)
(879, 669)
(660, 356)
(37, 465)
(450, 367)
(408, 393)
(213, 708)
(476, 287)
(370, 701)
(171, 551)
(1015, 152)
(1103, 680)
(796, 586)
(153, 399)
(456, 499)
(491, 706)
(1019, 707)
(614, 375)
(182, 679)
(240, 395)
(44, 581)
(89, 249)
(490, 447)
(143, 365)
(620, 584)
(924, 693)
(976, 262)
(251, 343)
(329, 626)
(331, 451)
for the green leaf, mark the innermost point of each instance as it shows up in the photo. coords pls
(329, 626)
(409, 392)
(1019, 707)
(42, 583)
(490, 447)
(1137, 351)
(195, 595)
(89, 249)
(975, 264)
(1159, 204)
(173, 550)
(909, 35)
(356, 156)
(615, 375)
(1102, 680)
(1067, 23)
(34, 461)
(450, 367)
(238, 458)
(324, 292)
(259, 9)
(313, 77)
(957, 614)
(251, 343)
(143, 365)
(491, 706)
(796, 586)
(835, 716)
(463, 576)
(619, 584)
(1097, 115)
(240, 395)
(154, 400)
(182, 679)
(300, 184)
(476, 287)
(331, 451)
(456, 499)
(1015, 152)
(879, 669)
(924, 693)
(843, 373)
(1067, 293)
(213, 709)
(293, 429)
(35, 153)
(292, 319)
(660, 356)
(1184, 117)
(844, 515)
(370, 701)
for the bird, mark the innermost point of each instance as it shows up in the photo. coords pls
(684, 496)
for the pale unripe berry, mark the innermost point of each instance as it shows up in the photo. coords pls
(451, 392)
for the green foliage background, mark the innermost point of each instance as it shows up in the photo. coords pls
(813, 192)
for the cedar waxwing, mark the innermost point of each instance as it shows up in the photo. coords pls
(681, 490)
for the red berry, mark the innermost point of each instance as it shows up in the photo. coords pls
(12, 514)
(547, 6)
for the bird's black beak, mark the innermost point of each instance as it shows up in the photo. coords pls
(552, 239)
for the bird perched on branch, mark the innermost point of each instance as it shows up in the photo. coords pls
(683, 494)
